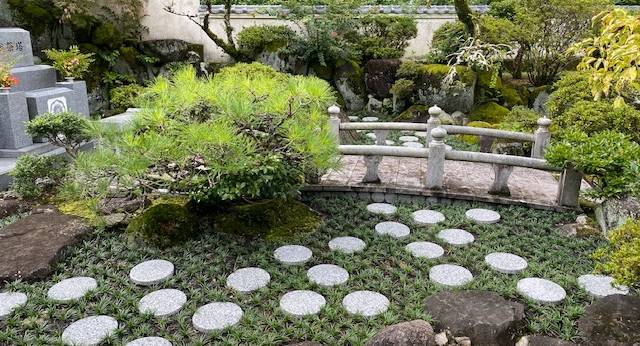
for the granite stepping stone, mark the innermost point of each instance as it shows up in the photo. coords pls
(393, 229)
(427, 217)
(408, 139)
(425, 249)
(371, 135)
(505, 262)
(353, 118)
(456, 237)
(600, 286)
(292, 254)
(327, 275)
(382, 208)
(483, 216)
(216, 316)
(347, 245)
(89, 331)
(161, 303)
(248, 279)
(9, 301)
(370, 119)
(302, 303)
(541, 290)
(71, 289)
(413, 145)
(389, 142)
(150, 341)
(365, 303)
(450, 275)
(421, 134)
(151, 272)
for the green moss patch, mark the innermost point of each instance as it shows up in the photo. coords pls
(472, 139)
(490, 112)
(412, 113)
(165, 224)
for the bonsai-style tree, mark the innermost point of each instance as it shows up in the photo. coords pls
(66, 130)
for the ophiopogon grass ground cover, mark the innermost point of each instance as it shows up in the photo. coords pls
(203, 264)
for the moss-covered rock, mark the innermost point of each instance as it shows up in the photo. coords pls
(415, 113)
(271, 219)
(472, 139)
(490, 112)
(511, 97)
(166, 223)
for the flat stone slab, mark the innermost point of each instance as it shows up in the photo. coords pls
(382, 208)
(150, 341)
(161, 303)
(292, 254)
(89, 331)
(456, 237)
(408, 139)
(302, 303)
(600, 286)
(248, 279)
(612, 320)
(365, 303)
(353, 118)
(393, 229)
(327, 275)
(71, 289)
(389, 142)
(370, 119)
(483, 216)
(450, 275)
(371, 135)
(425, 249)
(151, 272)
(216, 316)
(347, 245)
(427, 217)
(9, 301)
(505, 262)
(413, 145)
(541, 290)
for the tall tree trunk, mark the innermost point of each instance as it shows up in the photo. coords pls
(465, 16)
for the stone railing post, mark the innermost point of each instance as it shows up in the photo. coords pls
(381, 136)
(435, 164)
(433, 122)
(542, 138)
(334, 122)
(569, 187)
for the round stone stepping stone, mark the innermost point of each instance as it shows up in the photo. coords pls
(216, 316)
(9, 301)
(505, 262)
(600, 286)
(413, 145)
(483, 216)
(150, 341)
(389, 142)
(425, 249)
(353, 118)
(302, 303)
(71, 289)
(393, 229)
(408, 139)
(421, 134)
(456, 237)
(365, 303)
(370, 119)
(347, 245)
(541, 290)
(427, 217)
(450, 275)
(89, 331)
(382, 208)
(327, 275)
(160, 303)
(151, 272)
(371, 135)
(292, 254)
(248, 279)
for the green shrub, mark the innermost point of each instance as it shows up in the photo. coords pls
(164, 224)
(621, 256)
(66, 129)
(402, 88)
(385, 36)
(520, 119)
(37, 176)
(124, 97)
(596, 116)
(70, 63)
(571, 88)
(490, 112)
(609, 160)
(413, 113)
(254, 40)
(447, 39)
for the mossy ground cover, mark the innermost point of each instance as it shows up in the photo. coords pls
(203, 264)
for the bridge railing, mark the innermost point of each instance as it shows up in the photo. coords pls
(436, 152)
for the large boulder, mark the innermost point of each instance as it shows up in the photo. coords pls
(10, 207)
(349, 83)
(31, 246)
(166, 50)
(613, 212)
(413, 333)
(485, 317)
(380, 74)
(612, 321)
(456, 96)
(541, 340)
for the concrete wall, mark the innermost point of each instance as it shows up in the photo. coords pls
(163, 25)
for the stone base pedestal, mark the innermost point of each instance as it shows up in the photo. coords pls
(13, 115)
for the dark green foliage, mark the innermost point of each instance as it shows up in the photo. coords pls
(254, 40)
(38, 176)
(386, 37)
(165, 224)
(433, 74)
(67, 130)
(506, 9)
(610, 160)
(124, 97)
(447, 39)
(592, 117)
(277, 219)
(521, 119)
(571, 88)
